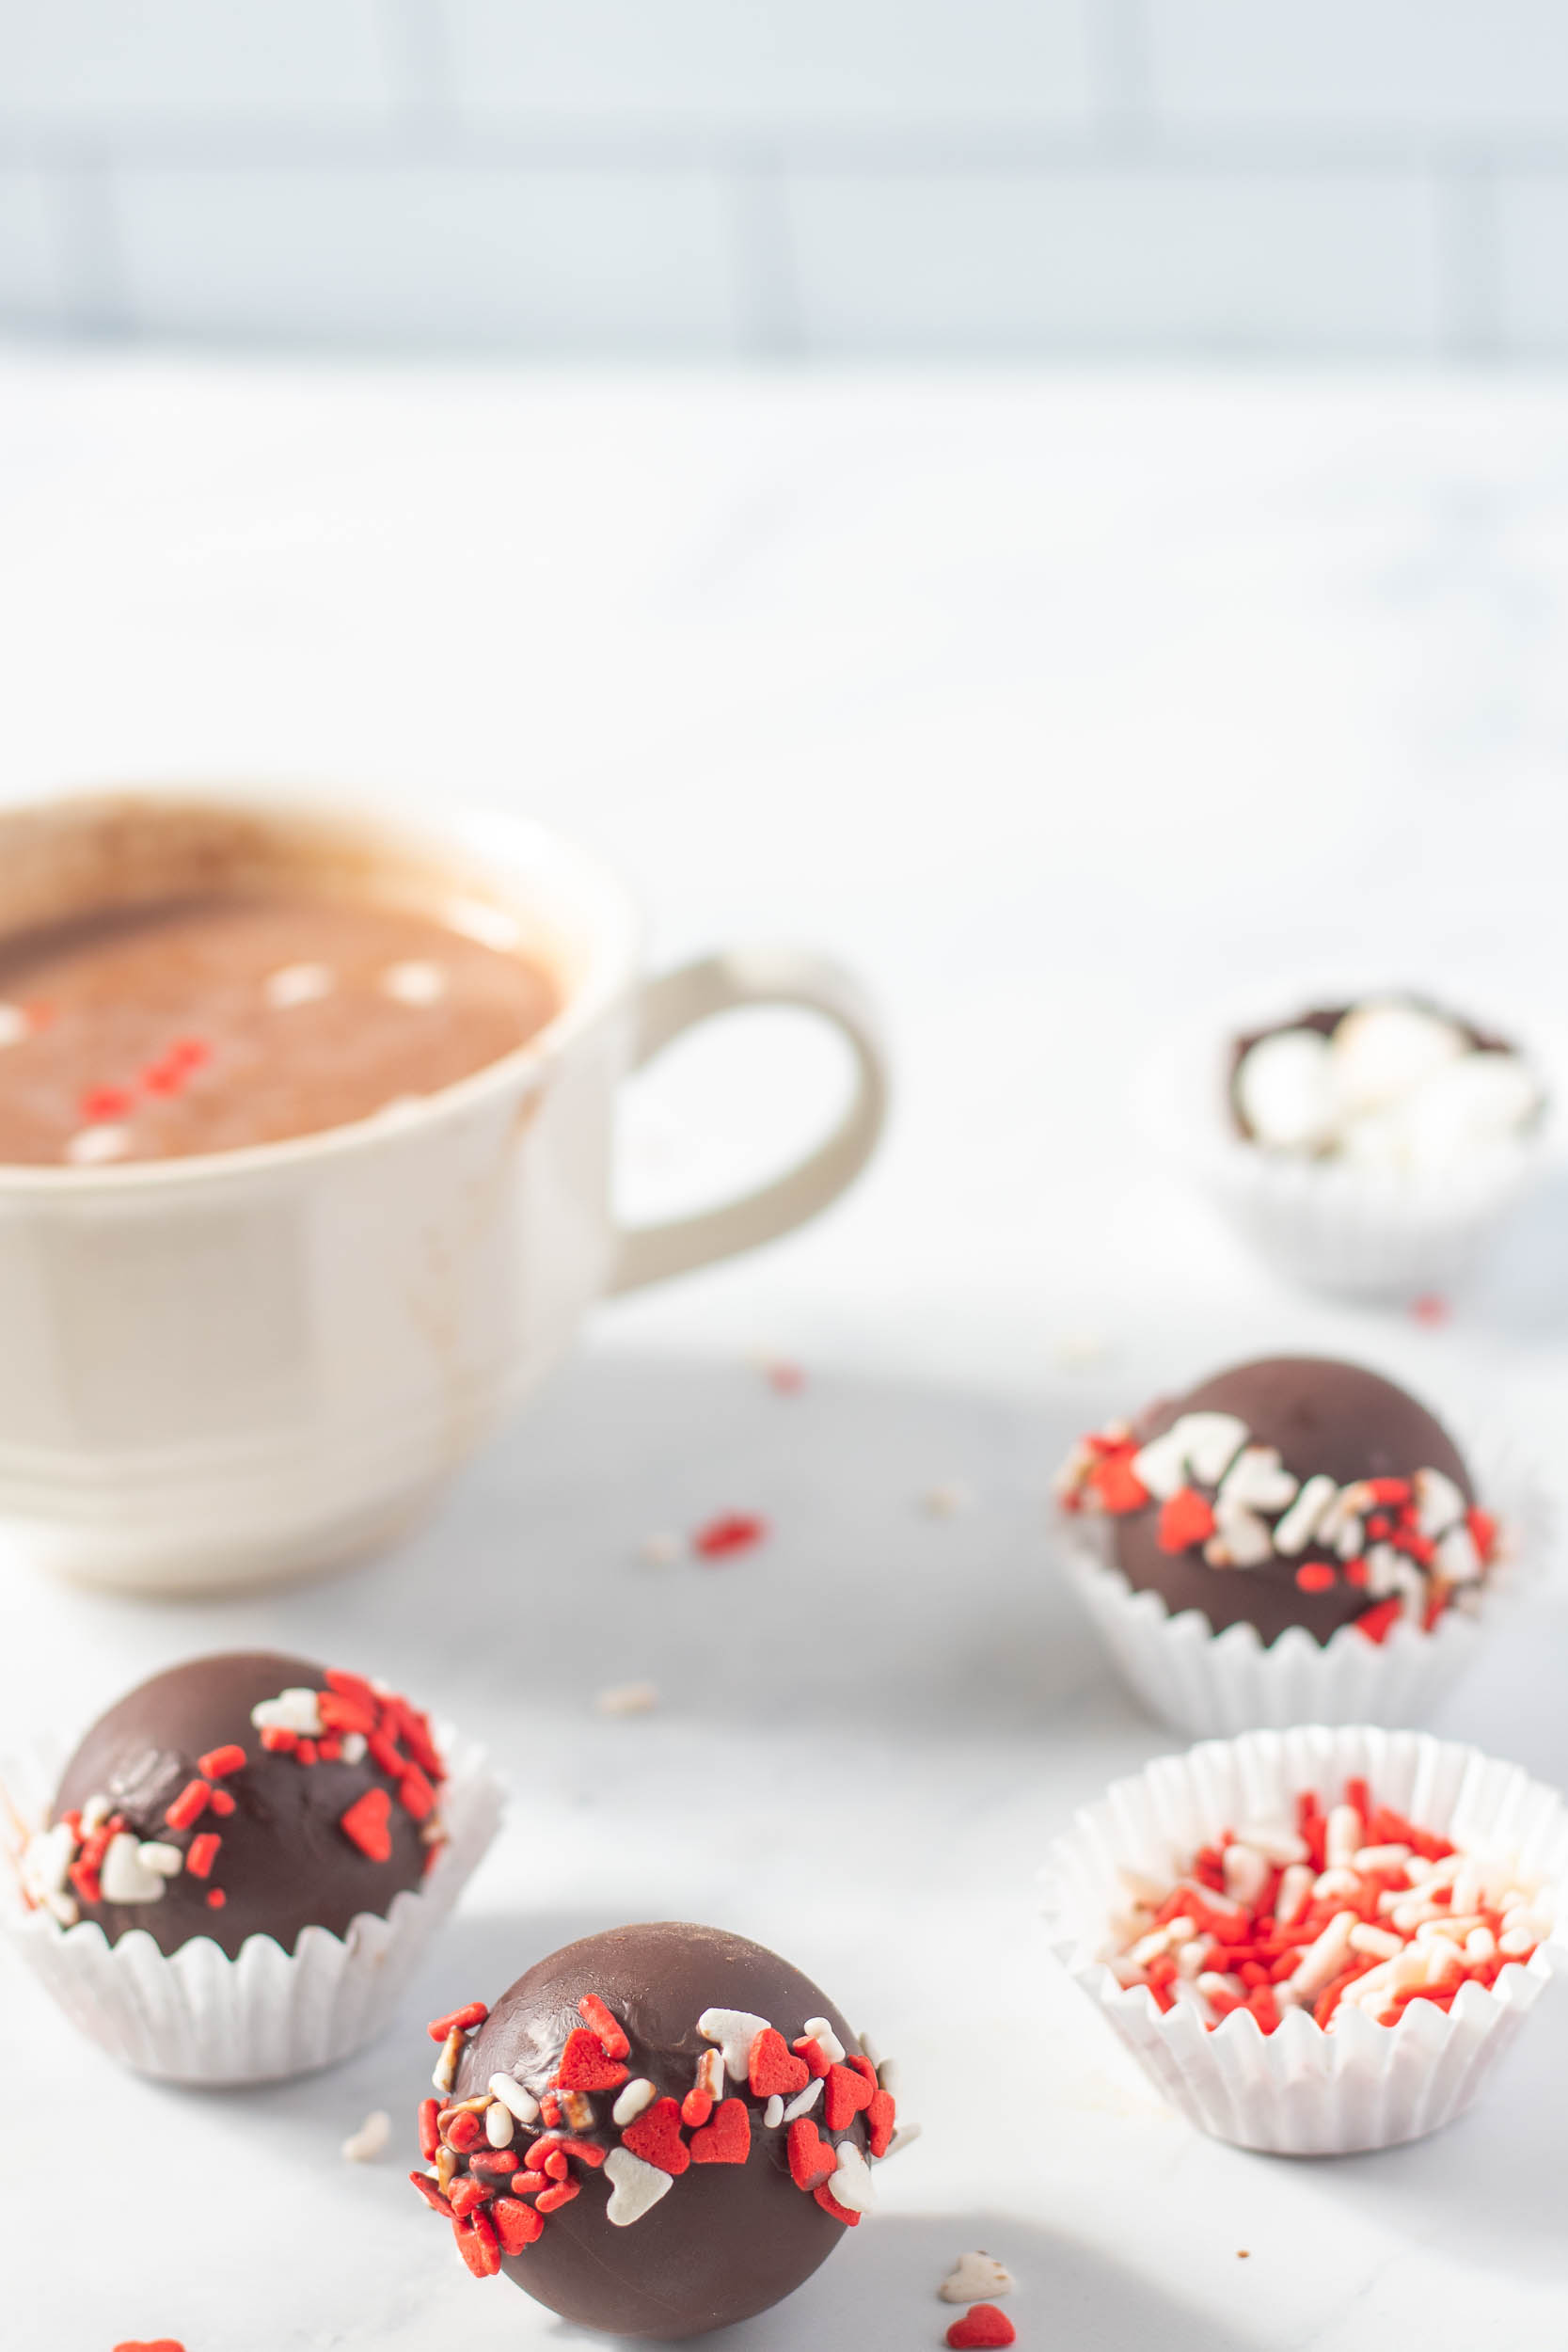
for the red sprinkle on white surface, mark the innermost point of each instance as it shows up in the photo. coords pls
(1430, 1308)
(1357, 1907)
(981, 2326)
(732, 1531)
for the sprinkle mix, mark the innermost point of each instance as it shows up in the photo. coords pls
(1412, 1545)
(93, 1854)
(501, 2163)
(1355, 1908)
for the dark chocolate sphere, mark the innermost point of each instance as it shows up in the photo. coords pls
(1322, 1418)
(729, 2238)
(283, 1858)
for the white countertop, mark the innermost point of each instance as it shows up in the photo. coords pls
(1058, 706)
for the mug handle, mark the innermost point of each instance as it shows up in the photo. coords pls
(677, 1001)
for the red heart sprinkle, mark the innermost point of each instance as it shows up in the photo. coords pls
(862, 2066)
(159, 2344)
(981, 2325)
(517, 2225)
(848, 2094)
(727, 2139)
(880, 2117)
(830, 2203)
(1379, 1622)
(1184, 1521)
(813, 2160)
(771, 2067)
(476, 2243)
(1117, 1486)
(584, 2065)
(655, 2137)
(365, 1824)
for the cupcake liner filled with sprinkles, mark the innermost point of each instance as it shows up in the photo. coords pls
(196, 2016)
(1316, 1941)
(1393, 1667)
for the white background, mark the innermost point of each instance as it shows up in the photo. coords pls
(700, 178)
(1057, 707)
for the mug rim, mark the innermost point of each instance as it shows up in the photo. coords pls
(614, 963)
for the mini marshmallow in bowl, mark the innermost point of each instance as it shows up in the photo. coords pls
(1315, 1940)
(1371, 1144)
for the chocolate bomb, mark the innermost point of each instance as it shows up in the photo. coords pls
(715, 2220)
(301, 1828)
(1382, 1491)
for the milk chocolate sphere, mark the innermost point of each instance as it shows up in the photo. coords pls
(1296, 1490)
(685, 2126)
(245, 1794)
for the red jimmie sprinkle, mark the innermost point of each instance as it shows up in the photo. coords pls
(203, 1853)
(365, 1824)
(189, 1806)
(458, 2021)
(221, 1803)
(215, 1898)
(603, 2022)
(155, 2343)
(734, 1531)
(430, 2140)
(430, 2194)
(218, 1762)
(517, 2225)
(416, 1795)
(551, 2199)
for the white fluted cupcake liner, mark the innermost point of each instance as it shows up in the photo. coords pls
(1209, 1684)
(198, 2017)
(1332, 1226)
(1302, 2091)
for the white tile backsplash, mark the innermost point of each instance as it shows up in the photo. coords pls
(567, 259)
(744, 63)
(132, 61)
(933, 177)
(35, 286)
(1451, 65)
(1018, 260)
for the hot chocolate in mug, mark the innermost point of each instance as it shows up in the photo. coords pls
(247, 1363)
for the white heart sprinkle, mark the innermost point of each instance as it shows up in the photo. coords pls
(293, 1710)
(1258, 1478)
(851, 2184)
(122, 1875)
(634, 2186)
(975, 2279)
(734, 2030)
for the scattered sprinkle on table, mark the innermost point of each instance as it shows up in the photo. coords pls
(974, 2277)
(370, 2140)
(1430, 1308)
(946, 1500)
(732, 1531)
(982, 2324)
(628, 1698)
(662, 1548)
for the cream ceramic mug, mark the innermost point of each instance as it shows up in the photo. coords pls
(223, 1370)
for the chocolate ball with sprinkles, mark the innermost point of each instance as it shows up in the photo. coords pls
(241, 1795)
(1293, 1491)
(657, 2131)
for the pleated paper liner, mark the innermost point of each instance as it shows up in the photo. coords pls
(198, 2017)
(1301, 2090)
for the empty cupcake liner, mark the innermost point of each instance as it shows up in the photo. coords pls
(1360, 1233)
(198, 2017)
(1209, 1684)
(1302, 2091)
